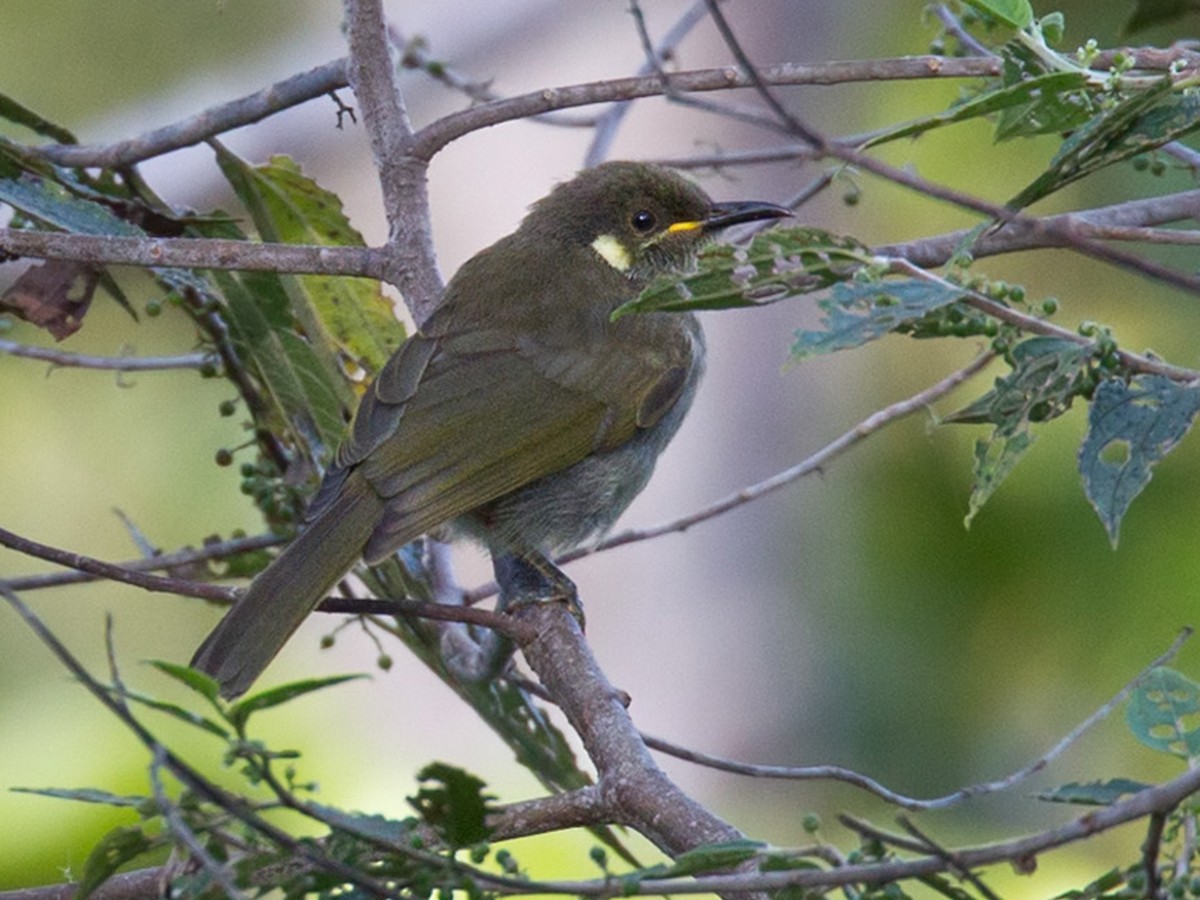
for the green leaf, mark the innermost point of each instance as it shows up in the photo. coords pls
(1131, 427)
(1056, 101)
(713, 857)
(241, 711)
(178, 712)
(342, 316)
(778, 264)
(1164, 713)
(314, 400)
(1048, 374)
(454, 805)
(1093, 793)
(995, 458)
(1027, 106)
(204, 685)
(859, 312)
(87, 795)
(51, 203)
(371, 827)
(1013, 13)
(119, 846)
(22, 115)
(1141, 122)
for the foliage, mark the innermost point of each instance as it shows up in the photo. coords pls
(299, 347)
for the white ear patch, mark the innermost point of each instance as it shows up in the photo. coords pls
(612, 252)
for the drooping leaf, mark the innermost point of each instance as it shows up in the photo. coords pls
(372, 827)
(1131, 427)
(778, 264)
(1048, 374)
(54, 295)
(454, 804)
(1164, 713)
(314, 400)
(119, 846)
(341, 316)
(1093, 793)
(51, 203)
(1013, 13)
(858, 312)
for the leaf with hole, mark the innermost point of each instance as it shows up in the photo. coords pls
(1131, 427)
(1164, 713)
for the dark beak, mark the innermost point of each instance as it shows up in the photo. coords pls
(725, 214)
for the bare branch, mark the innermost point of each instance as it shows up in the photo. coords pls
(63, 359)
(838, 773)
(195, 129)
(102, 569)
(193, 253)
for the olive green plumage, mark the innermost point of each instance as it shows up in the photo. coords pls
(520, 415)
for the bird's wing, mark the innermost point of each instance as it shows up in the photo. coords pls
(434, 436)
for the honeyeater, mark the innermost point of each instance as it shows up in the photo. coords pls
(520, 414)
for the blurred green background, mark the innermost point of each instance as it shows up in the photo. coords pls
(849, 620)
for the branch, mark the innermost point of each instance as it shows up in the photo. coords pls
(190, 556)
(435, 136)
(193, 253)
(102, 569)
(838, 773)
(410, 262)
(63, 359)
(196, 129)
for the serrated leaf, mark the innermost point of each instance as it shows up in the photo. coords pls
(119, 846)
(1093, 793)
(995, 458)
(1013, 13)
(314, 400)
(1164, 713)
(1048, 374)
(859, 312)
(454, 804)
(778, 264)
(240, 711)
(86, 795)
(1131, 427)
(1141, 122)
(340, 315)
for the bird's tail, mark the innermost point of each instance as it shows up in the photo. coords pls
(283, 594)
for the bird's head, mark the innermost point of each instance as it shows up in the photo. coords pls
(639, 218)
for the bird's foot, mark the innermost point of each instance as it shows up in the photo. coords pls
(533, 578)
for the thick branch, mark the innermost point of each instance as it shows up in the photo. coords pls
(411, 264)
(193, 253)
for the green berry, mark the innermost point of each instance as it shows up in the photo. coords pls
(224, 457)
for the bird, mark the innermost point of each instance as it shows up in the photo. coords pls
(521, 414)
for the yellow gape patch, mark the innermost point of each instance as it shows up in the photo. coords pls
(612, 252)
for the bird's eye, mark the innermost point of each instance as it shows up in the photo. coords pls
(643, 220)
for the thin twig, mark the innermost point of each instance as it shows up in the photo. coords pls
(63, 359)
(101, 569)
(837, 773)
